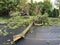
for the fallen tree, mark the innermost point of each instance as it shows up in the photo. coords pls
(19, 36)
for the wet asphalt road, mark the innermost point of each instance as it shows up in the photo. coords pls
(38, 42)
(49, 35)
(6, 40)
(42, 35)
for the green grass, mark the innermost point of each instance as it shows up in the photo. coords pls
(16, 22)
(3, 20)
(54, 21)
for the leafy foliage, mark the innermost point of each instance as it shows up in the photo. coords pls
(54, 13)
(3, 32)
(42, 7)
(6, 6)
(32, 8)
(45, 6)
(16, 21)
(43, 19)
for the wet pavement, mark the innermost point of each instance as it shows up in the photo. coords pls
(45, 35)
(38, 35)
(38, 42)
(7, 40)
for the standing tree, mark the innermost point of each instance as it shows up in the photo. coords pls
(21, 3)
(6, 6)
(31, 1)
(45, 6)
(58, 4)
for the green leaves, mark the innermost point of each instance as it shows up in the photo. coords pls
(43, 19)
(6, 6)
(3, 33)
(16, 21)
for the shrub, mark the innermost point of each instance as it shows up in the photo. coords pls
(54, 13)
(43, 19)
(16, 21)
(6, 6)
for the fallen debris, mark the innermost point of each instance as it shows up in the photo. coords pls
(19, 36)
(16, 37)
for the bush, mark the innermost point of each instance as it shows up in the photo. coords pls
(54, 13)
(16, 21)
(45, 7)
(43, 19)
(6, 6)
(31, 11)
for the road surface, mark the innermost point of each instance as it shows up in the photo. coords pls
(38, 35)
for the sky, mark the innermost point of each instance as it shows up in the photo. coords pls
(53, 2)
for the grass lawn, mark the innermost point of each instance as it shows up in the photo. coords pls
(3, 20)
(54, 21)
